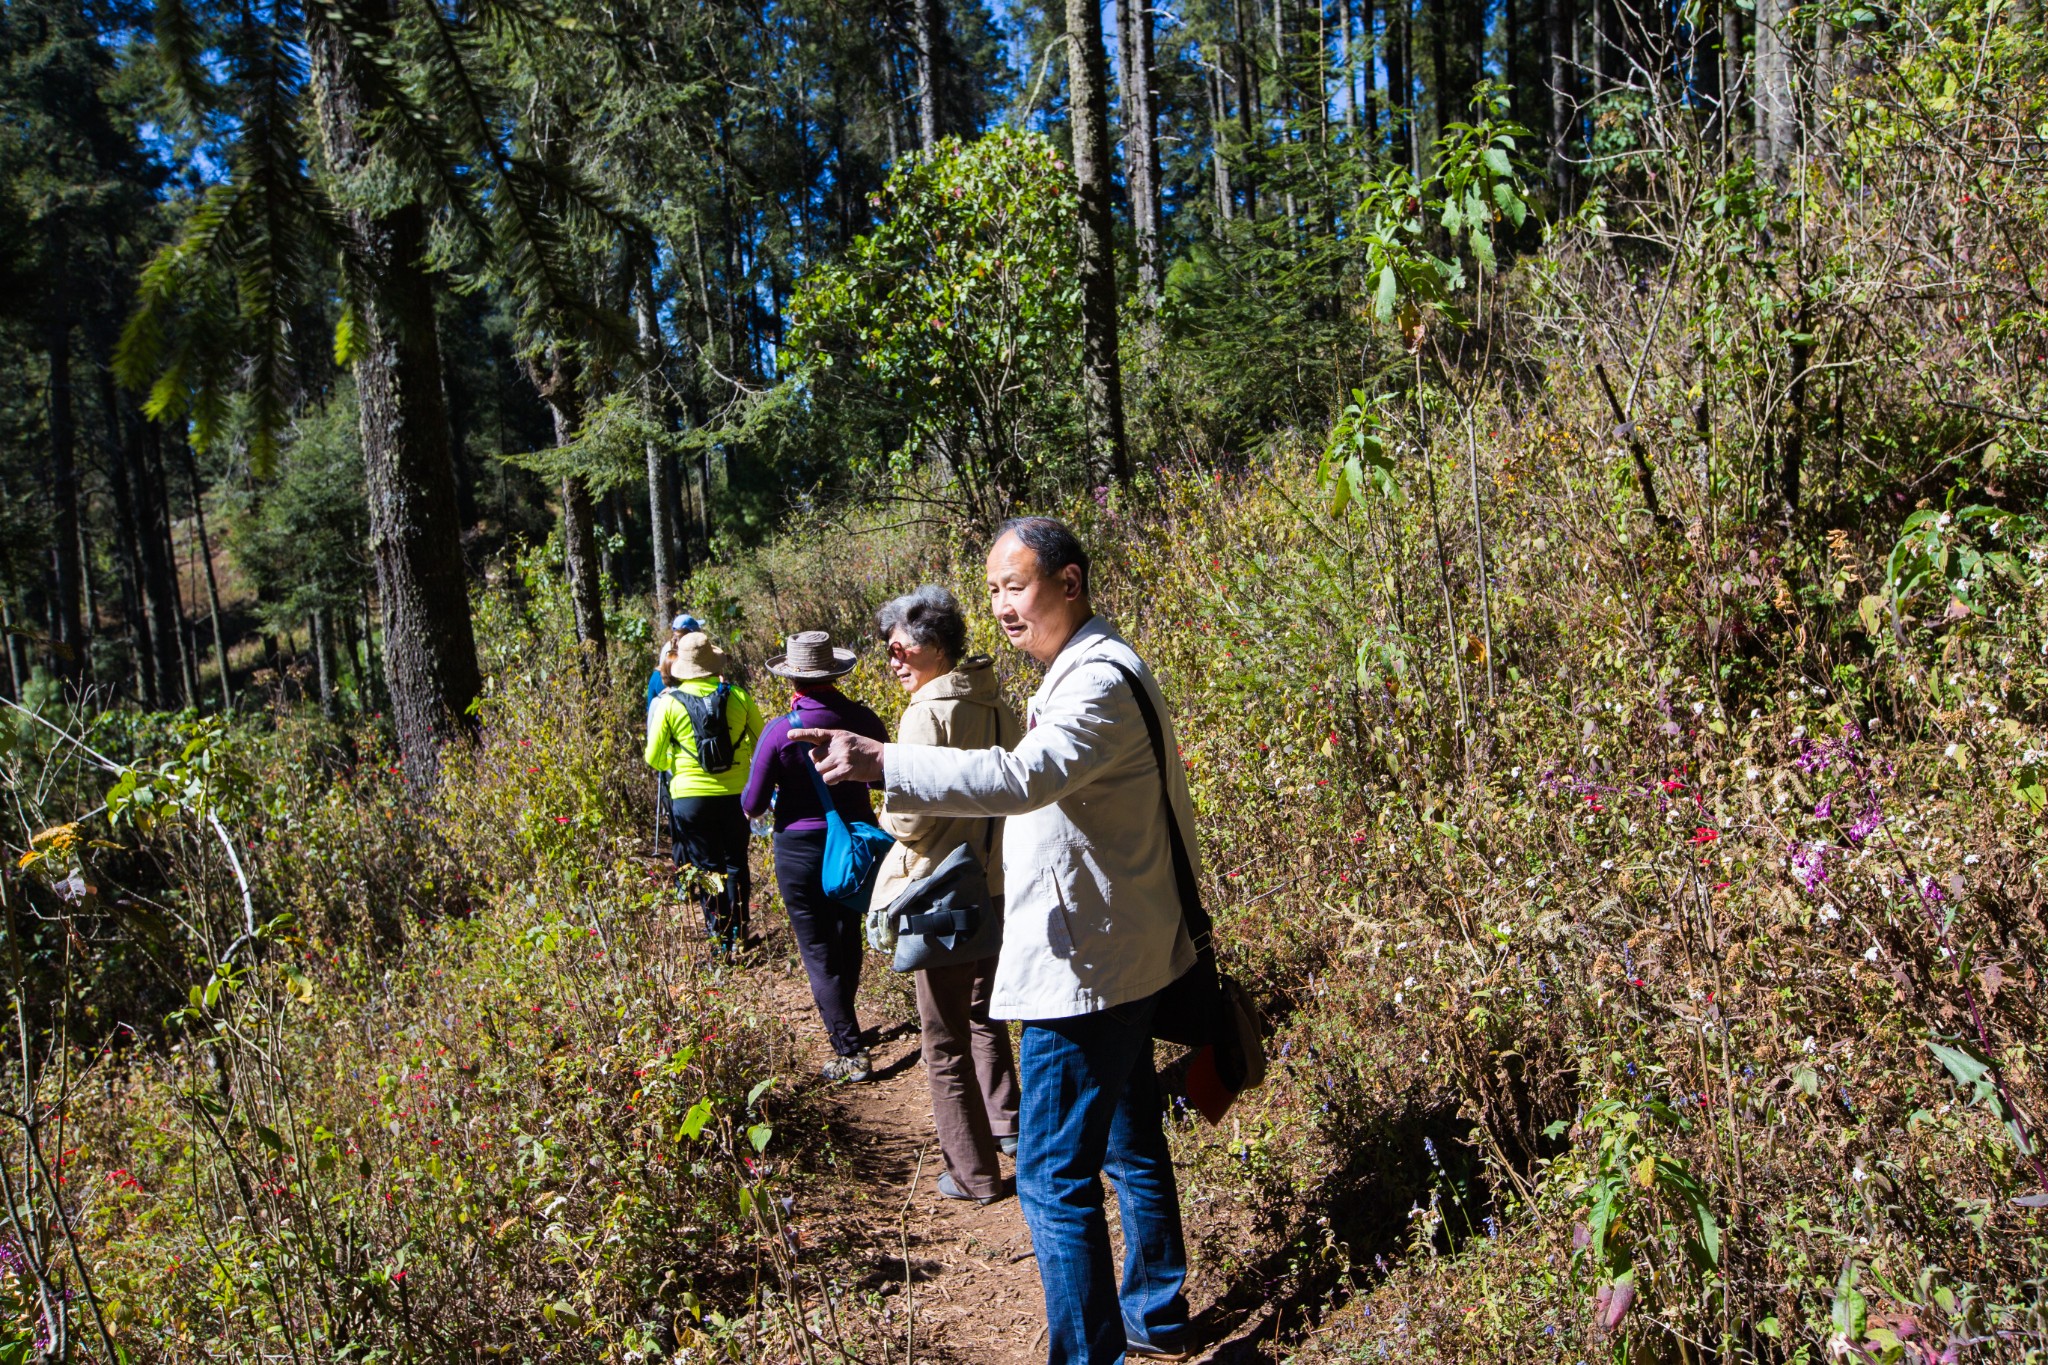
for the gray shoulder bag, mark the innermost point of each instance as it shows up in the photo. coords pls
(947, 916)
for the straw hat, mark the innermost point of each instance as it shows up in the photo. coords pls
(811, 656)
(695, 656)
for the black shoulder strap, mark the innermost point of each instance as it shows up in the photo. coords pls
(1192, 912)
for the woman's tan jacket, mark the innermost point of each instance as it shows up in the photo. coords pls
(963, 709)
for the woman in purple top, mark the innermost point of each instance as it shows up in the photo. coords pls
(828, 933)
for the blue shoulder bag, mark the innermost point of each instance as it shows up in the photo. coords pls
(853, 849)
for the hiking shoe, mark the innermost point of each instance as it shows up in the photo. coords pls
(1007, 1144)
(1154, 1353)
(950, 1188)
(858, 1067)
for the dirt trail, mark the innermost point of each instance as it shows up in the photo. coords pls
(972, 1278)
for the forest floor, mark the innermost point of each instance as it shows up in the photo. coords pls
(869, 1200)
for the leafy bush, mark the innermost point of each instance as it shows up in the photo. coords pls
(954, 324)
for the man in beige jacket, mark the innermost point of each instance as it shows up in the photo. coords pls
(955, 702)
(1092, 933)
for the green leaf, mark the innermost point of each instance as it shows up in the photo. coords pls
(1389, 291)
(2027, 785)
(1482, 248)
(1511, 205)
(1497, 162)
(759, 1134)
(694, 1121)
(269, 1138)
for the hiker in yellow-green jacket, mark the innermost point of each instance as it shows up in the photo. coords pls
(702, 730)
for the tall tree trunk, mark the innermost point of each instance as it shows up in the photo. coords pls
(924, 27)
(1776, 114)
(885, 67)
(1101, 377)
(320, 631)
(1733, 65)
(348, 641)
(1219, 164)
(1366, 80)
(128, 541)
(1443, 105)
(68, 647)
(13, 654)
(1345, 22)
(1603, 70)
(1400, 84)
(408, 462)
(1562, 16)
(1705, 43)
(661, 496)
(1247, 107)
(1141, 151)
(160, 568)
(579, 541)
(220, 643)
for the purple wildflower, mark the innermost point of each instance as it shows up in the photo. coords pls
(1867, 823)
(1931, 892)
(1825, 807)
(1810, 865)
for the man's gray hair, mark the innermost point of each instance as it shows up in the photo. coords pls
(931, 617)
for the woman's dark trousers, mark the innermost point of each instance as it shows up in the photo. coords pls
(828, 934)
(710, 834)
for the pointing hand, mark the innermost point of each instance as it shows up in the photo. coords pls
(842, 756)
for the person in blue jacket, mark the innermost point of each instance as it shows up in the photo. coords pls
(657, 683)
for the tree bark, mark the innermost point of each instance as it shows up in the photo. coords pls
(1247, 107)
(1141, 151)
(160, 559)
(320, 631)
(1733, 63)
(661, 495)
(579, 541)
(13, 657)
(68, 647)
(1101, 376)
(1400, 85)
(1366, 82)
(924, 25)
(220, 643)
(1345, 21)
(1564, 105)
(1219, 164)
(128, 540)
(408, 466)
(159, 569)
(1776, 115)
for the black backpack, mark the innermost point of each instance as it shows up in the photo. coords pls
(715, 749)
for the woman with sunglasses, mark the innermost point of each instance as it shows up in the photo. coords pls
(954, 701)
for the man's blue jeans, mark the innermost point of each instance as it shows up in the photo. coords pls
(1090, 1106)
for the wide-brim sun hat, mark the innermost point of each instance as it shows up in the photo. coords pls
(809, 655)
(696, 657)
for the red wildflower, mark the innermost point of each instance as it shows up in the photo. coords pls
(1703, 835)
